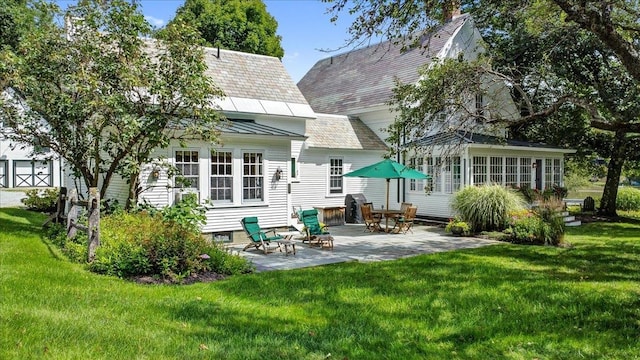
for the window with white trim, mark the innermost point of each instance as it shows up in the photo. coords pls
(418, 165)
(511, 171)
(446, 175)
(429, 171)
(525, 172)
(187, 164)
(495, 170)
(479, 170)
(221, 176)
(457, 173)
(548, 173)
(437, 175)
(557, 172)
(335, 176)
(252, 176)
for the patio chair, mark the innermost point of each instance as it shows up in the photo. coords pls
(258, 238)
(314, 234)
(404, 206)
(371, 221)
(405, 222)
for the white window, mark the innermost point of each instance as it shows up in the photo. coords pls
(418, 164)
(457, 173)
(479, 105)
(221, 176)
(437, 175)
(548, 173)
(495, 170)
(187, 164)
(252, 176)
(557, 172)
(429, 171)
(446, 175)
(335, 176)
(479, 170)
(511, 171)
(525, 172)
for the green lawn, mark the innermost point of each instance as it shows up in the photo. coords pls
(502, 301)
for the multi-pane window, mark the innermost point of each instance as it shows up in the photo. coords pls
(418, 164)
(429, 171)
(221, 176)
(335, 176)
(557, 172)
(294, 168)
(479, 170)
(525, 172)
(437, 175)
(457, 173)
(446, 175)
(188, 166)
(548, 173)
(495, 170)
(252, 176)
(479, 105)
(511, 170)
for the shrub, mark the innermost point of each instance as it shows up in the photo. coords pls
(41, 200)
(458, 227)
(486, 207)
(135, 244)
(544, 225)
(628, 199)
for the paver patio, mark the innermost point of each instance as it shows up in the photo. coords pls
(353, 244)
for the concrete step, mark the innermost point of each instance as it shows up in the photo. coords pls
(564, 213)
(569, 218)
(573, 223)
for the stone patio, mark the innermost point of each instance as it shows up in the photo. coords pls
(352, 243)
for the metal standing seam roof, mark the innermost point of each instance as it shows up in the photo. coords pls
(460, 137)
(364, 78)
(250, 127)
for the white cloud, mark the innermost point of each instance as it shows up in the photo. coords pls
(154, 21)
(291, 57)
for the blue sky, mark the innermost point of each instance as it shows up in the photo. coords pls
(303, 24)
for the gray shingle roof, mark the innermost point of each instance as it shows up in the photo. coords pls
(365, 77)
(251, 76)
(341, 132)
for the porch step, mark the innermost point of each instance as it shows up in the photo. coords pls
(568, 218)
(564, 213)
(573, 223)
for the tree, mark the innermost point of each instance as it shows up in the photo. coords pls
(241, 25)
(573, 62)
(14, 22)
(105, 93)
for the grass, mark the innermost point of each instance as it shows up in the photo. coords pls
(503, 301)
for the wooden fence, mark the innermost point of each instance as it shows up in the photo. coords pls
(75, 205)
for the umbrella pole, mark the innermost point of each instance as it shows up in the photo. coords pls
(386, 218)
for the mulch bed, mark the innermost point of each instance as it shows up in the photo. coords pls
(195, 278)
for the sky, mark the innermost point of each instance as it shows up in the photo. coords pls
(304, 25)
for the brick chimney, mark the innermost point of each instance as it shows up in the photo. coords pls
(450, 9)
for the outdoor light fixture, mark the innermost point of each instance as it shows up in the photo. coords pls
(278, 174)
(534, 165)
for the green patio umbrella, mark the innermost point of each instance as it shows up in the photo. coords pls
(388, 169)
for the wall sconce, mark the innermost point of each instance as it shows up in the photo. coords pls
(534, 165)
(278, 174)
(155, 173)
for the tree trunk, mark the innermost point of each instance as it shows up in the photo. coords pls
(614, 172)
(132, 198)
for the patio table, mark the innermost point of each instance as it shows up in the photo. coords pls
(387, 213)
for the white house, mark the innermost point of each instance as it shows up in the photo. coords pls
(359, 84)
(285, 147)
(26, 165)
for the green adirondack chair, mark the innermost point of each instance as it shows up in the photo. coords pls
(315, 233)
(258, 238)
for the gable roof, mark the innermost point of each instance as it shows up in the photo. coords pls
(364, 77)
(341, 132)
(255, 84)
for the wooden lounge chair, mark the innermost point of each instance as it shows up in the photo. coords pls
(258, 238)
(314, 234)
(405, 222)
(371, 221)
